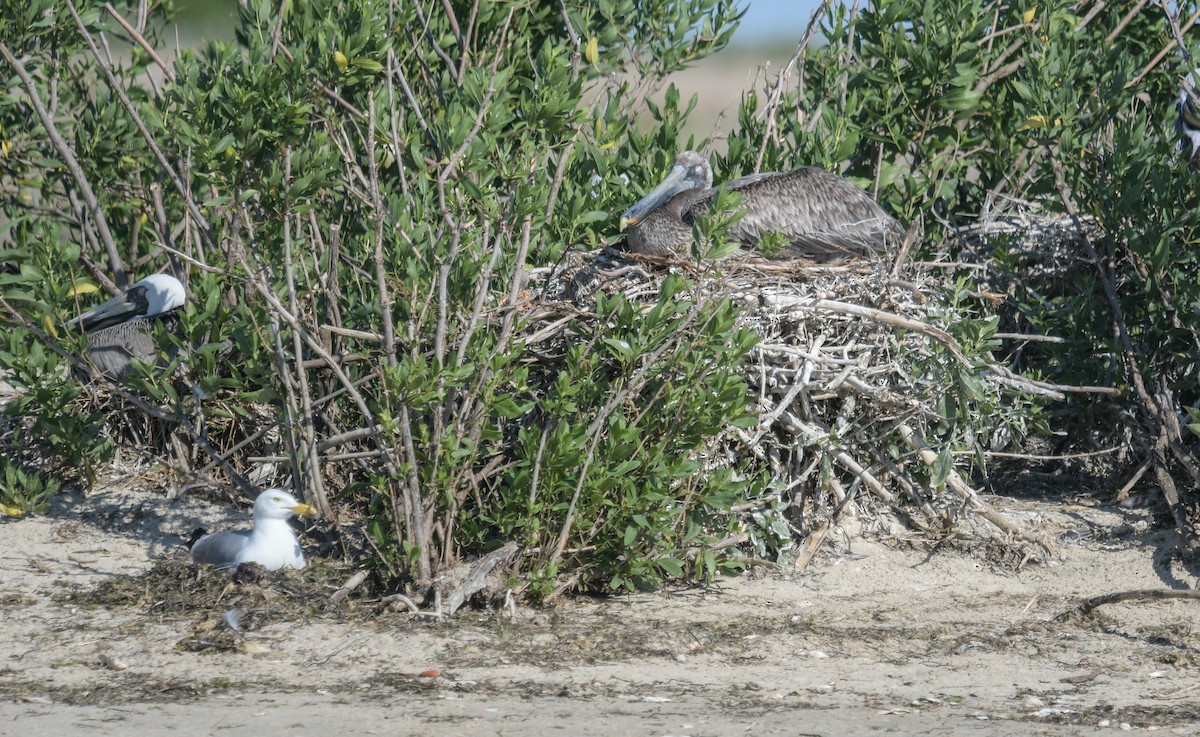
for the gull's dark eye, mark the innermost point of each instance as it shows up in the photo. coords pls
(276, 500)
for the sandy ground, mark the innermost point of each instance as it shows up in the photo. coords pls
(870, 639)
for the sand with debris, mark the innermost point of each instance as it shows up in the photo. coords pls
(871, 637)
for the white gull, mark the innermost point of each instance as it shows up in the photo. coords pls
(271, 542)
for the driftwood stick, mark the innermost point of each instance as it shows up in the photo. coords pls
(1028, 337)
(1087, 605)
(964, 491)
(1025, 385)
(1046, 388)
(396, 602)
(351, 584)
(351, 333)
(477, 576)
(1177, 692)
(1042, 457)
(1123, 492)
(811, 545)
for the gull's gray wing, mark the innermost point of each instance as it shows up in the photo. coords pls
(221, 549)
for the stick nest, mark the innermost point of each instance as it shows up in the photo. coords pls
(868, 407)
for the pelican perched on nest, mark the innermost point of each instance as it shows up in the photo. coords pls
(820, 215)
(120, 330)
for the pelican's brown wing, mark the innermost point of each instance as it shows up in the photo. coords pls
(820, 215)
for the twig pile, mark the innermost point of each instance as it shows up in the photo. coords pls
(852, 373)
(1051, 247)
(1064, 257)
(204, 446)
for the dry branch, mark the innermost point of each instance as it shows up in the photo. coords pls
(1091, 603)
(476, 577)
(347, 588)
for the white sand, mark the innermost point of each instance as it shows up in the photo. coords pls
(869, 640)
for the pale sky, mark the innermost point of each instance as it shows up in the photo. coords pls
(768, 19)
(765, 20)
(770, 29)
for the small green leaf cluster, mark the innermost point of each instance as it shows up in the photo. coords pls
(44, 421)
(24, 491)
(973, 412)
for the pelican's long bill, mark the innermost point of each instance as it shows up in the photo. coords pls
(123, 307)
(157, 294)
(676, 181)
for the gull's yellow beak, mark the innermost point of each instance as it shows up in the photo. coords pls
(305, 510)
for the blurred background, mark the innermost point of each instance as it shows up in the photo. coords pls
(767, 23)
(763, 43)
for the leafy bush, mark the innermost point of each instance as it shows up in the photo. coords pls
(47, 423)
(358, 190)
(609, 459)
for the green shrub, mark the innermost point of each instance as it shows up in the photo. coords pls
(358, 191)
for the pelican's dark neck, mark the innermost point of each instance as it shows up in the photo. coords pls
(668, 228)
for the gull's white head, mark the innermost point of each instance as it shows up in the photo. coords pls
(278, 504)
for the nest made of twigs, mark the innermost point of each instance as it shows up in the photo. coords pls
(849, 373)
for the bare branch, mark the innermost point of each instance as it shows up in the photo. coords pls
(72, 163)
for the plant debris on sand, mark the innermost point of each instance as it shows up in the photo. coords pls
(228, 601)
(960, 640)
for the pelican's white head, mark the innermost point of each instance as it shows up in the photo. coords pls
(155, 295)
(163, 293)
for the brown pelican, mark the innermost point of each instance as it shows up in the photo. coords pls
(821, 215)
(1187, 124)
(120, 329)
(271, 542)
